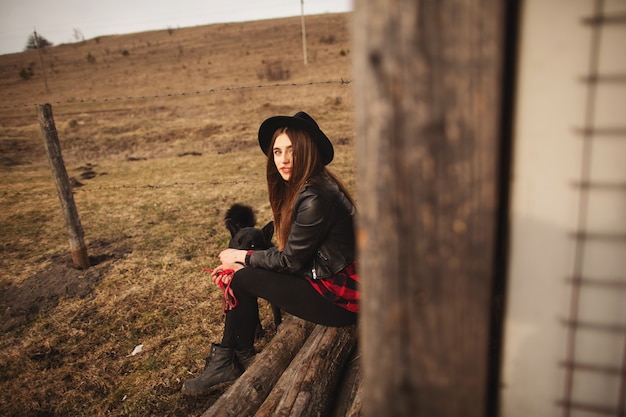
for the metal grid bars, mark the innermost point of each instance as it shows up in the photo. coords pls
(595, 357)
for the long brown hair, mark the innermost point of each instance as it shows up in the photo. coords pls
(307, 166)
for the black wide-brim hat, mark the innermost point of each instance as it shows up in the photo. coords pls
(301, 121)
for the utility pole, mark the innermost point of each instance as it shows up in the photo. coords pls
(43, 69)
(303, 33)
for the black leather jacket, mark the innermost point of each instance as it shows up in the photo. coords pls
(321, 242)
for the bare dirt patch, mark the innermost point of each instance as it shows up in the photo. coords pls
(40, 293)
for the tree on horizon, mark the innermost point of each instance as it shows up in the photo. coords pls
(31, 43)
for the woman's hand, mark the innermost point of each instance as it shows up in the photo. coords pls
(232, 259)
(233, 256)
(218, 275)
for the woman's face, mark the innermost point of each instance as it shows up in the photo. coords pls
(283, 155)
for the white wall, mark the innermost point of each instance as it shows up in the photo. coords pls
(548, 160)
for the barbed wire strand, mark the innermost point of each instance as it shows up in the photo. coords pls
(154, 186)
(157, 96)
(182, 93)
(80, 189)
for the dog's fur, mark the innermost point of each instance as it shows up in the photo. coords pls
(240, 222)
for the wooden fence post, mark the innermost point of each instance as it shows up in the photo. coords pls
(64, 189)
(427, 92)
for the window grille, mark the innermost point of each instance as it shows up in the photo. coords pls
(595, 355)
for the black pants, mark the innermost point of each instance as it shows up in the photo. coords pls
(292, 294)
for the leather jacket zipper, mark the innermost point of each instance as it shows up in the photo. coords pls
(321, 256)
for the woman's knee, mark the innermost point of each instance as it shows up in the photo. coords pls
(241, 279)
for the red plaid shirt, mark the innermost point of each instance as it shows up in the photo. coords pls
(342, 289)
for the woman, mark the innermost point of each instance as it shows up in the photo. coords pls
(311, 273)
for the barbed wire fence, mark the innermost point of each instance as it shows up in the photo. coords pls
(66, 186)
(156, 96)
(341, 81)
(144, 186)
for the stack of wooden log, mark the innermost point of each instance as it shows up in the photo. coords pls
(305, 370)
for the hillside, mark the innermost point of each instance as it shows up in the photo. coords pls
(158, 133)
(216, 78)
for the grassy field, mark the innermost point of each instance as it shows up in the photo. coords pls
(158, 131)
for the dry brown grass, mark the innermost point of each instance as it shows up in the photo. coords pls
(163, 170)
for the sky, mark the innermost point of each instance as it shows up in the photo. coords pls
(59, 21)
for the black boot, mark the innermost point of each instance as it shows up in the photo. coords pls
(220, 368)
(245, 357)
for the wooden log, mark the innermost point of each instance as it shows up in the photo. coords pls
(306, 387)
(244, 397)
(348, 401)
(64, 189)
(356, 408)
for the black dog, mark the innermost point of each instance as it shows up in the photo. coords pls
(240, 221)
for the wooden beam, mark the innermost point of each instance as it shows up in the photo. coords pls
(427, 94)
